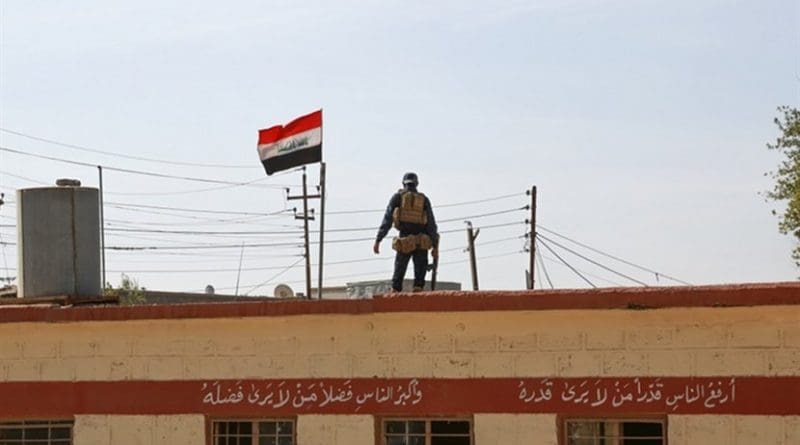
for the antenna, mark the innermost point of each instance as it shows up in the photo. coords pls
(283, 291)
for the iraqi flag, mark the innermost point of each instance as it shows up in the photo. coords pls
(297, 143)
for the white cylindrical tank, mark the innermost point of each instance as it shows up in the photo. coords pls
(58, 240)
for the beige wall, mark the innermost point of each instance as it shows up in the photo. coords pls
(734, 430)
(668, 342)
(139, 430)
(538, 429)
(489, 429)
(335, 430)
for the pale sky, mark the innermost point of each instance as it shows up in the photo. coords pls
(642, 123)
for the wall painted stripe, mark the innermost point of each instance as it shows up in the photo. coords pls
(591, 395)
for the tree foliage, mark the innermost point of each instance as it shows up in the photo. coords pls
(787, 175)
(128, 291)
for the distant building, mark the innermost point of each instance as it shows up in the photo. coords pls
(367, 289)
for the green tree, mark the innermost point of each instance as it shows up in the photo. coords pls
(787, 175)
(128, 291)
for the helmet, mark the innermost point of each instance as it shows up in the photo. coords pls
(410, 179)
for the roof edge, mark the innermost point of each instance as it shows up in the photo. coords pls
(751, 294)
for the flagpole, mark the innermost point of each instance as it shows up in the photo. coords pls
(321, 225)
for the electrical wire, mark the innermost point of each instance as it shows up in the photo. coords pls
(331, 263)
(381, 272)
(438, 206)
(148, 173)
(457, 204)
(656, 273)
(538, 254)
(24, 178)
(285, 232)
(244, 269)
(588, 274)
(592, 261)
(183, 209)
(566, 264)
(275, 276)
(228, 246)
(120, 155)
(238, 220)
(501, 212)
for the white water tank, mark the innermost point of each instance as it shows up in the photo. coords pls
(58, 240)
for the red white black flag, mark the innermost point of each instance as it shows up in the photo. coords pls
(297, 143)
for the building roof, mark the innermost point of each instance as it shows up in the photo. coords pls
(755, 294)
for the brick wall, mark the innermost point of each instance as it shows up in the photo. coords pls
(741, 341)
(666, 342)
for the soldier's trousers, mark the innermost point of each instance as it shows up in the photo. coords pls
(401, 264)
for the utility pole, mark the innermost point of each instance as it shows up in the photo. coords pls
(239, 273)
(306, 218)
(471, 236)
(321, 226)
(102, 227)
(532, 249)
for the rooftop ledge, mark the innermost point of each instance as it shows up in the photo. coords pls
(629, 298)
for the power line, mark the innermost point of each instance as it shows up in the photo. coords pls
(245, 269)
(194, 255)
(593, 261)
(276, 276)
(204, 259)
(588, 274)
(200, 221)
(180, 192)
(120, 155)
(656, 273)
(457, 204)
(566, 264)
(501, 212)
(148, 173)
(238, 220)
(229, 246)
(541, 266)
(24, 178)
(183, 209)
(332, 263)
(438, 206)
(381, 272)
(284, 232)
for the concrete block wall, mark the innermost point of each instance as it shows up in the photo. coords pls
(668, 342)
(742, 341)
(539, 429)
(139, 430)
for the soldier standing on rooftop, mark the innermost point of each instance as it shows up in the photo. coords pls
(411, 213)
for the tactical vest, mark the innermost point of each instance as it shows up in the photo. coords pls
(411, 209)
